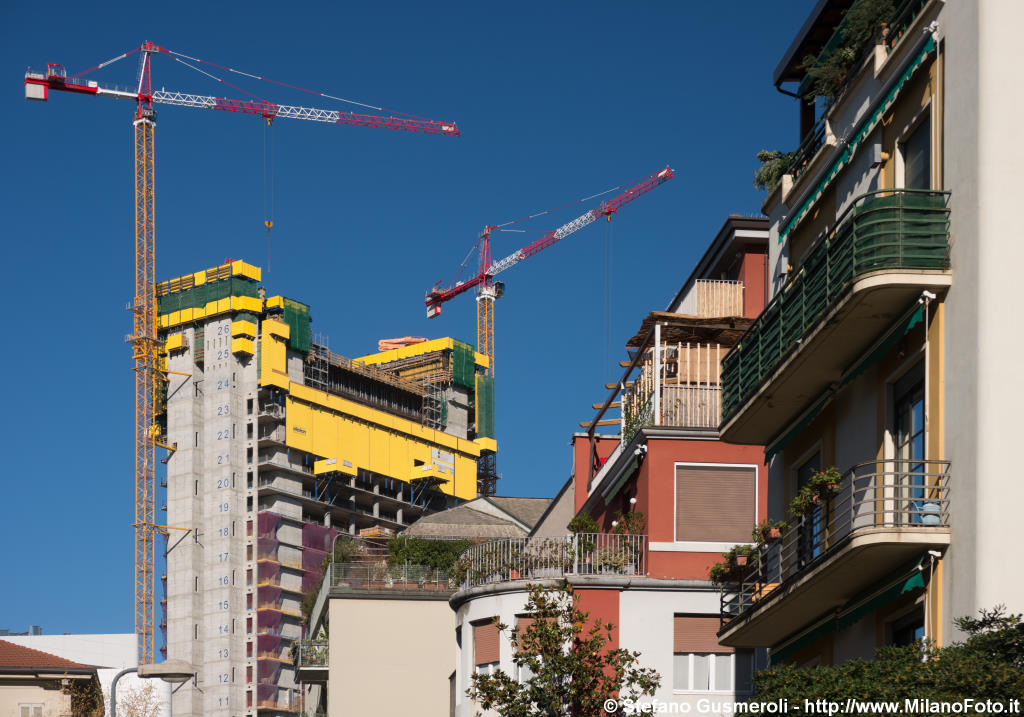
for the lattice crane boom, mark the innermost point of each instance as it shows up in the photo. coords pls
(144, 341)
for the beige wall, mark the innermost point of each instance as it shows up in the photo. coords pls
(54, 702)
(390, 656)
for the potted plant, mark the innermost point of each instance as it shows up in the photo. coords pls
(768, 531)
(738, 563)
(818, 489)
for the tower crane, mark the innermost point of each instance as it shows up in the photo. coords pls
(145, 348)
(488, 290)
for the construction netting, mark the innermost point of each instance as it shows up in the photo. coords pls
(266, 549)
(267, 524)
(268, 645)
(484, 406)
(311, 581)
(203, 294)
(269, 620)
(269, 572)
(313, 560)
(268, 671)
(268, 596)
(296, 315)
(318, 536)
(463, 364)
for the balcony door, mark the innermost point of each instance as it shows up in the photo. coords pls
(811, 533)
(910, 456)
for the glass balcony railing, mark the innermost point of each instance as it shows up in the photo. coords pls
(886, 230)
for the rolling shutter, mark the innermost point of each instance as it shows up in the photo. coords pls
(715, 503)
(485, 643)
(696, 633)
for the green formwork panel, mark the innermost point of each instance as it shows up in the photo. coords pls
(201, 295)
(246, 316)
(296, 315)
(484, 406)
(444, 411)
(463, 365)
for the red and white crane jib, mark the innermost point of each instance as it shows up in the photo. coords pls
(437, 296)
(38, 85)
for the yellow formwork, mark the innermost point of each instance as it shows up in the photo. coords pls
(214, 273)
(250, 304)
(243, 328)
(243, 346)
(175, 342)
(274, 354)
(363, 437)
(419, 349)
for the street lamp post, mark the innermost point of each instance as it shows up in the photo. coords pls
(172, 671)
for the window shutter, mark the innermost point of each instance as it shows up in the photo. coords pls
(485, 643)
(523, 623)
(697, 633)
(715, 503)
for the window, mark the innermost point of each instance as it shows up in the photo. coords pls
(523, 623)
(909, 629)
(810, 527)
(486, 649)
(916, 151)
(700, 664)
(248, 406)
(30, 710)
(715, 503)
(909, 439)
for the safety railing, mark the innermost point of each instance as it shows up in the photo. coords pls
(310, 653)
(887, 229)
(399, 578)
(809, 146)
(538, 558)
(894, 494)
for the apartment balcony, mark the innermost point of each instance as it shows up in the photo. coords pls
(885, 250)
(711, 298)
(311, 660)
(512, 559)
(885, 515)
(379, 577)
(679, 387)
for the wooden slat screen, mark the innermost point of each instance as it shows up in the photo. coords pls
(715, 503)
(485, 642)
(697, 633)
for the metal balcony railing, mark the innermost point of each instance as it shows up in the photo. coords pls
(537, 558)
(896, 494)
(400, 578)
(809, 146)
(888, 229)
(310, 653)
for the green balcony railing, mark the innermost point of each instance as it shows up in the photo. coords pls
(887, 229)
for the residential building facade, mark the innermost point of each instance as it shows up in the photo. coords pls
(892, 252)
(667, 495)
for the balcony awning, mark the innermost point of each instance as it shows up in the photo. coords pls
(859, 137)
(907, 579)
(911, 318)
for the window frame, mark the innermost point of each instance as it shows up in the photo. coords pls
(696, 546)
(712, 665)
(924, 116)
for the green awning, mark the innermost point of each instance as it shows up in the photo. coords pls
(910, 319)
(799, 428)
(626, 475)
(861, 134)
(907, 579)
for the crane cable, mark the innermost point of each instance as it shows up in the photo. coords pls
(268, 182)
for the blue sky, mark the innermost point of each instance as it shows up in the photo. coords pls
(556, 101)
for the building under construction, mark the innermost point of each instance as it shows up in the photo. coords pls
(278, 445)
